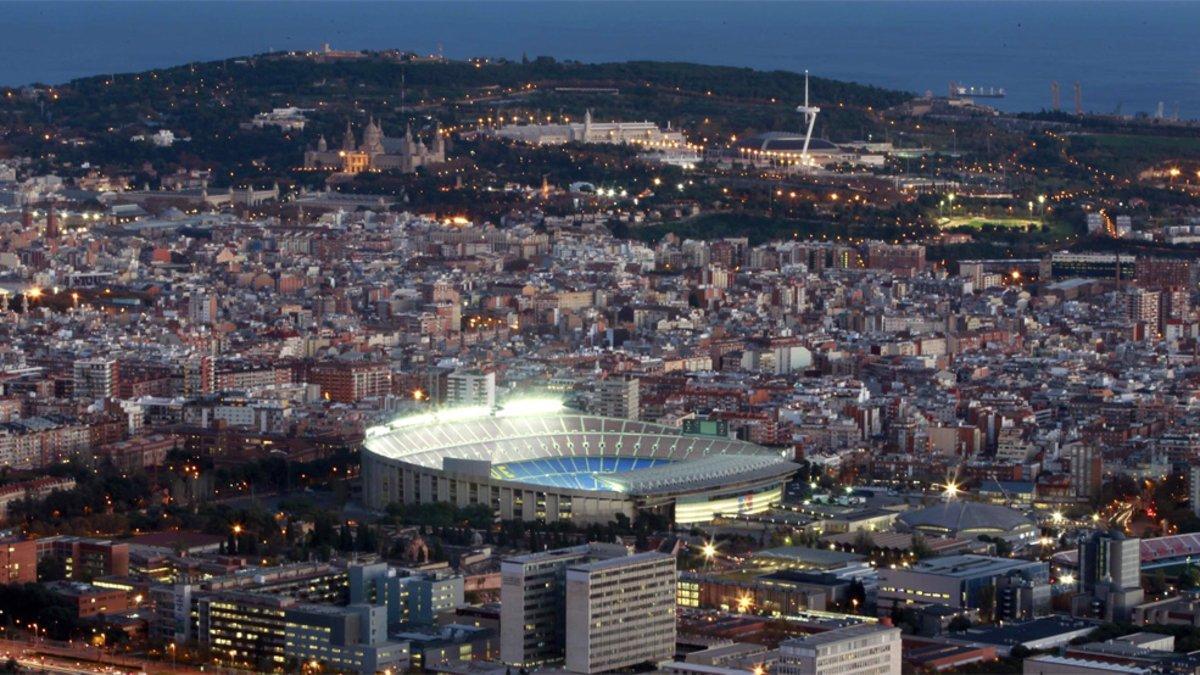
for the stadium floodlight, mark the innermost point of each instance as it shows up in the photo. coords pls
(443, 416)
(525, 407)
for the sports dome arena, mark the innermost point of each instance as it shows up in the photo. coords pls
(537, 460)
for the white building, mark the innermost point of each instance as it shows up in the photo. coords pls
(532, 602)
(862, 649)
(620, 612)
(471, 387)
(95, 379)
(646, 134)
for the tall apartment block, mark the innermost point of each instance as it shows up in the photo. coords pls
(620, 612)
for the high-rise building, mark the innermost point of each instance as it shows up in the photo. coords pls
(618, 397)
(533, 602)
(1110, 571)
(898, 258)
(471, 388)
(861, 649)
(246, 630)
(1086, 468)
(1162, 273)
(198, 376)
(1141, 306)
(351, 382)
(95, 379)
(1194, 488)
(202, 308)
(52, 229)
(1175, 304)
(620, 612)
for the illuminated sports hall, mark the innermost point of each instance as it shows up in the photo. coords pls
(537, 460)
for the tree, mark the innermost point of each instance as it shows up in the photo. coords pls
(987, 603)
(345, 539)
(1157, 582)
(364, 538)
(1189, 578)
(920, 547)
(51, 568)
(958, 624)
(863, 543)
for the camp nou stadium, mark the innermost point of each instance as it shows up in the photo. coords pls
(534, 459)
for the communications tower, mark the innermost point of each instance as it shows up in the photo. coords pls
(810, 119)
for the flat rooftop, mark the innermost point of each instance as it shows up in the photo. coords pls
(967, 565)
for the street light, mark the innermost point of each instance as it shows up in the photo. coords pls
(951, 490)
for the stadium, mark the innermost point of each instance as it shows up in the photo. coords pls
(536, 460)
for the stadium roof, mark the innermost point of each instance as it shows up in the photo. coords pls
(1153, 550)
(542, 443)
(785, 141)
(962, 516)
(710, 471)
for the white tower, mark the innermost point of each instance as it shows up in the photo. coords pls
(810, 119)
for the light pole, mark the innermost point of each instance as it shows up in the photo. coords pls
(1042, 202)
(709, 551)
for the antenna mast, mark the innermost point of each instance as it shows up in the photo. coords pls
(810, 120)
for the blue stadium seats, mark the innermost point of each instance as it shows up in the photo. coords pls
(571, 472)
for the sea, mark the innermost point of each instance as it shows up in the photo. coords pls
(1127, 56)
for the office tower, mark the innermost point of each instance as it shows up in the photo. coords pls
(620, 612)
(533, 602)
(1110, 570)
(618, 397)
(343, 639)
(411, 597)
(471, 388)
(861, 649)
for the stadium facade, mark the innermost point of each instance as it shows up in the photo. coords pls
(535, 460)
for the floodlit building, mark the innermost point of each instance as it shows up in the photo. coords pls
(647, 134)
(377, 152)
(471, 388)
(618, 397)
(411, 597)
(350, 639)
(620, 612)
(533, 602)
(966, 581)
(861, 649)
(1110, 572)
